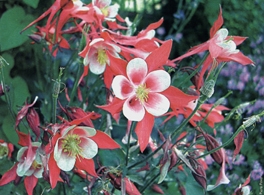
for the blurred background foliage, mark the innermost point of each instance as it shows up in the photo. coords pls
(187, 22)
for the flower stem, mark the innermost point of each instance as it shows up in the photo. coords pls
(242, 127)
(55, 94)
(7, 98)
(128, 142)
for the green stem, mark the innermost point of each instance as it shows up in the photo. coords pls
(196, 70)
(149, 183)
(245, 124)
(128, 142)
(215, 105)
(7, 98)
(187, 20)
(55, 95)
(74, 89)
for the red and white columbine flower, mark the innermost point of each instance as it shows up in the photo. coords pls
(6, 149)
(141, 90)
(74, 143)
(103, 7)
(97, 57)
(29, 161)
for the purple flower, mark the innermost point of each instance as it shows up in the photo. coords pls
(161, 31)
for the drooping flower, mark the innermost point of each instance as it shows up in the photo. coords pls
(221, 48)
(29, 164)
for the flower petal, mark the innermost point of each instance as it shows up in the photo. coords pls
(90, 148)
(158, 81)
(133, 109)
(137, 70)
(122, 87)
(64, 161)
(95, 66)
(157, 104)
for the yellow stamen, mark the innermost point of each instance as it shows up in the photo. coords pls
(142, 93)
(35, 165)
(3, 151)
(102, 57)
(71, 145)
(105, 10)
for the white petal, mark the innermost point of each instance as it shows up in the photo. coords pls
(113, 10)
(133, 109)
(122, 87)
(222, 34)
(95, 66)
(157, 104)
(90, 148)
(96, 41)
(158, 81)
(137, 70)
(65, 162)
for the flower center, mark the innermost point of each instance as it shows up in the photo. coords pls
(102, 57)
(142, 93)
(35, 165)
(105, 11)
(3, 151)
(71, 145)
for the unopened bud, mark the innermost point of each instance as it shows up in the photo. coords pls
(33, 121)
(211, 144)
(208, 88)
(35, 37)
(199, 175)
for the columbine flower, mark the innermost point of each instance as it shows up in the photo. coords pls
(143, 91)
(97, 56)
(140, 90)
(103, 7)
(6, 149)
(29, 164)
(220, 46)
(75, 146)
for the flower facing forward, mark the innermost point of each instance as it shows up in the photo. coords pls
(74, 144)
(140, 90)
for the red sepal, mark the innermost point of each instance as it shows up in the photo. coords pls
(104, 141)
(143, 130)
(30, 183)
(9, 176)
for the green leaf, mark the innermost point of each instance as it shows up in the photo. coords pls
(12, 22)
(164, 171)
(32, 3)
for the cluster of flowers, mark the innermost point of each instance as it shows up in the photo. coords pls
(133, 67)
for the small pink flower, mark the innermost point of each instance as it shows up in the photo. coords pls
(103, 7)
(97, 57)
(140, 90)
